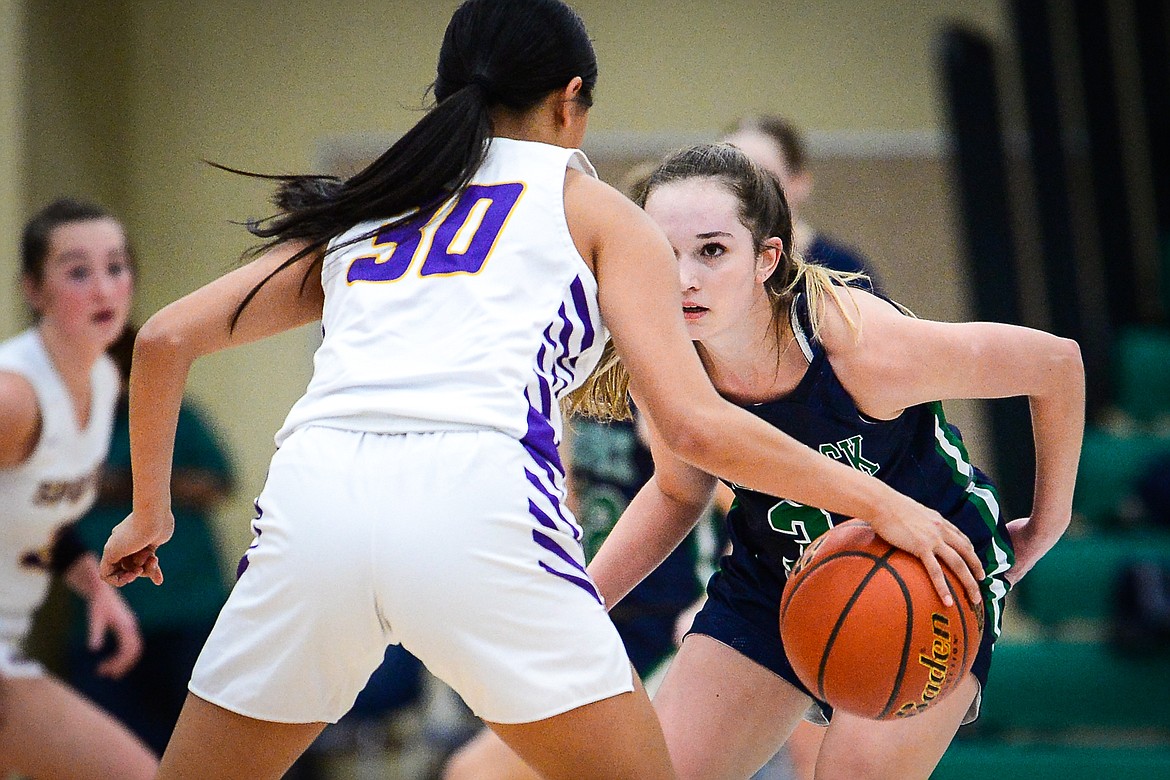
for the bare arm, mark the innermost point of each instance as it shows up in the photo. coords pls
(657, 520)
(900, 361)
(168, 344)
(642, 305)
(107, 612)
(20, 420)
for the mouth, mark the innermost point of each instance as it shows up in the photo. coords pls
(103, 317)
(693, 311)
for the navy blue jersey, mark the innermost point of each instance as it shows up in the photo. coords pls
(918, 454)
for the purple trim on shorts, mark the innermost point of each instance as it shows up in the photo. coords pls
(582, 582)
(242, 566)
(554, 500)
(540, 516)
(549, 544)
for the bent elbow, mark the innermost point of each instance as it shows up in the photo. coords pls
(160, 337)
(690, 438)
(1070, 364)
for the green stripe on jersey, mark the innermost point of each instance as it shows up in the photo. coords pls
(998, 556)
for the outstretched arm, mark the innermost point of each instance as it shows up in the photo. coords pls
(900, 361)
(170, 341)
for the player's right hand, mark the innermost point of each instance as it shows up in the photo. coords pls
(130, 551)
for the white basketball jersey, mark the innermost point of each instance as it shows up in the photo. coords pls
(478, 313)
(57, 483)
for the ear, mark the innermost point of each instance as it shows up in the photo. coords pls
(568, 99)
(768, 259)
(32, 293)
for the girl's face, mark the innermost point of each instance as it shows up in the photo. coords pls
(720, 272)
(86, 282)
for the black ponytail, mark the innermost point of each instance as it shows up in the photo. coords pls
(495, 52)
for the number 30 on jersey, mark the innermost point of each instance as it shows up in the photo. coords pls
(455, 237)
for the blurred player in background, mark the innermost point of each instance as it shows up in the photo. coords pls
(57, 394)
(778, 146)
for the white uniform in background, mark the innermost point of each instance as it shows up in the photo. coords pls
(417, 493)
(55, 486)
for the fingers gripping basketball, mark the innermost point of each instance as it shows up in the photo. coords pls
(865, 630)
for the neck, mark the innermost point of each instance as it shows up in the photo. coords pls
(756, 362)
(541, 123)
(72, 360)
(525, 129)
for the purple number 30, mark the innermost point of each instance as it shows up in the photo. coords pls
(456, 239)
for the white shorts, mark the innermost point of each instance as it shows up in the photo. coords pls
(454, 544)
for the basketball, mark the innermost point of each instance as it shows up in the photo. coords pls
(865, 630)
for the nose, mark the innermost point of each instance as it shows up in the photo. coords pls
(687, 276)
(108, 285)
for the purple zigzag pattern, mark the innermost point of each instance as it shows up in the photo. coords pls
(582, 582)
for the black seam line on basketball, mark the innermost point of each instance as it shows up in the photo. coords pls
(877, 565)
(807, 572)
(906, 642)
(962, 624)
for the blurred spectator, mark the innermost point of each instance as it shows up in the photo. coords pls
(778, 146)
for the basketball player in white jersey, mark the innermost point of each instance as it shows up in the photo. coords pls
(57, 394)
(466, 281)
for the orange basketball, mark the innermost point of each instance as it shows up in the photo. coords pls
(865, 630)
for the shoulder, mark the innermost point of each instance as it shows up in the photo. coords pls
(599, 215)
(857, 323)
(587, 195)
(20, 415)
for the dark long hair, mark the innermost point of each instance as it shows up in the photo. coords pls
(509, 53)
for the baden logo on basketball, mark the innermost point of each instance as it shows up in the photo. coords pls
(937, 662)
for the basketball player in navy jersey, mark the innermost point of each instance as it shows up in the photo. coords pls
(858, 380)
(466, 281)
